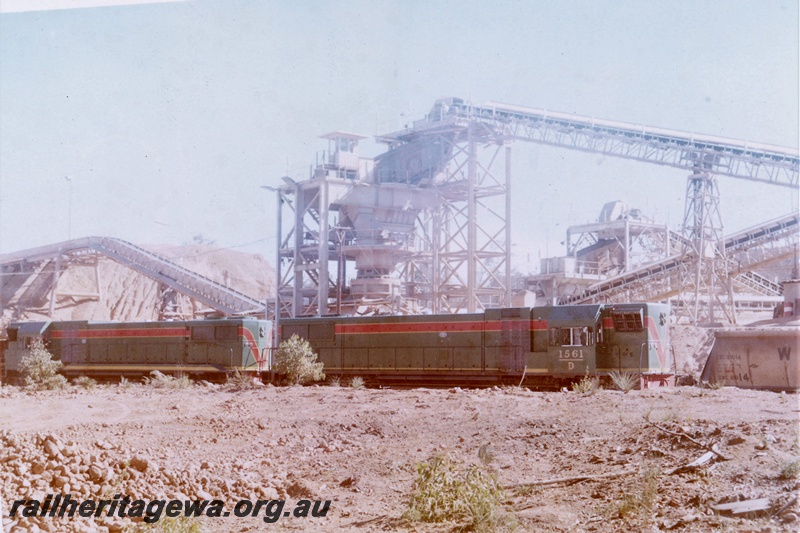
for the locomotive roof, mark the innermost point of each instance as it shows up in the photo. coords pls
(567, 313)
(31, 328)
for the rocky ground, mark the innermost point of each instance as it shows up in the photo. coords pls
(606, 461)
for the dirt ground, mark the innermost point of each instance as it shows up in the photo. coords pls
(360, 448)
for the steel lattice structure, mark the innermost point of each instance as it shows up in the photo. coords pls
(721, 156)
(439, 202)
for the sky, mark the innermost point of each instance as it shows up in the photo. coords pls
(167, 117)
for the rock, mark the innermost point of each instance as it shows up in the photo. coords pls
(70, 451)
(299, 490)
(140, 463)
(51, 449)
(348, 482)
(203, 495)
(736, 439)
(96, 473)
(60, 481)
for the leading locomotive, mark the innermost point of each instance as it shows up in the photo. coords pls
(538, 346)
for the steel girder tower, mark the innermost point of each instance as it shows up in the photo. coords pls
(705, 283)
(463, 261)
(706, 291)
(426, 225)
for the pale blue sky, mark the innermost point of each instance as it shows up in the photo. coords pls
(169, 116)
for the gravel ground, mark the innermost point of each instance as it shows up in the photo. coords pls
(360, 448)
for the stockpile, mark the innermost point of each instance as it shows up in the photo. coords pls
(35, 466)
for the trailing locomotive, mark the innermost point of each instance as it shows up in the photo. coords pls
(544, 346)
(208, 348)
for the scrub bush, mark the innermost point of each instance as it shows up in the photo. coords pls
(39, 370)
(297, 361)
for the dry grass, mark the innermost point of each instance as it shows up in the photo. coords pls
(85, 382)
(624, 381)
(587, 385)
(240, 380)
(791, 470)
(641, 497)
(158, 380)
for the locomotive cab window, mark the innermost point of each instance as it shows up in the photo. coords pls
(582, 336)
(627, 322)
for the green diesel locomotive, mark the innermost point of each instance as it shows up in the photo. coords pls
(202, 348)
(545, 346)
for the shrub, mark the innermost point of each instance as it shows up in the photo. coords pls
(39, 370)
(791, 470)
(238, 379)
(297, 361)
(357, 382)
(445, 492)
(180, 524)
(85, 382)
(335, 381)
(587, 385)
(624, 381)
(159, 380)
(641, 498)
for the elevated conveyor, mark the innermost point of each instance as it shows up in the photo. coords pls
(154, 266)
(722, 156)
(660, 280)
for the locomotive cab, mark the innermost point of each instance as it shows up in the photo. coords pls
(564, 340)
(635, 340)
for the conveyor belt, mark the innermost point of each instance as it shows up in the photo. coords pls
(779, 228)
(152, 265)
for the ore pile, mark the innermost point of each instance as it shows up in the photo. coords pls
(34, 466)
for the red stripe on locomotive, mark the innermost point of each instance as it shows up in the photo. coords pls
(112, 333)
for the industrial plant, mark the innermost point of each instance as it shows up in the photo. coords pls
(425, 228)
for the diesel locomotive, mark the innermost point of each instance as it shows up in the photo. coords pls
(201, 348)
(538, 346)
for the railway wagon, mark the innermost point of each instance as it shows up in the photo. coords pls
(546, 346)
(755, 358)
(208, 348)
